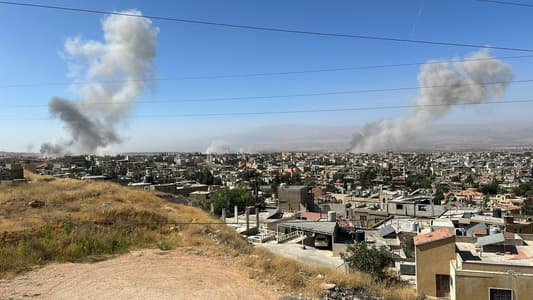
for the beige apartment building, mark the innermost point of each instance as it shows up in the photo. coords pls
(494, 267)
(433, 252)
(482, 275)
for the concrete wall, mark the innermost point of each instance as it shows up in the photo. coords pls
(339, 208)
(526, 228)
(290, 198)
(475, 285)
(339, 248)
(431, 259)
(414, 210)
(165, 188)
(367, 218)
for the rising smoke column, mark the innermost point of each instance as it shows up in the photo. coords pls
(117, 71)
(460, 82)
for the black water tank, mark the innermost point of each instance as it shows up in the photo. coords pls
(497, 212)
(359, 236)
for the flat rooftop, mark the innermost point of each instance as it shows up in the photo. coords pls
(323, 227)
(516, 256)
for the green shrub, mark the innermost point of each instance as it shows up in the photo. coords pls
(370, 260)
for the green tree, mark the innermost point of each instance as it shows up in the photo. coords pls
(418, 181)
(204, 176)
(439, 194)
(366, 177)
(366, 259)
(228, 198)
(524, 189)
(491, 188)
(408, 246)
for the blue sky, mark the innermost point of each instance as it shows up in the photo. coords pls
(32, 40)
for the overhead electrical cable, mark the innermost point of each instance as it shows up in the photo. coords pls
(511, 3)
(248, 75)
(346, 109)
(273, 97)
(266, 29)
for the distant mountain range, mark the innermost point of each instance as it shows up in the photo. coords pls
(291, 137)
(443, 137)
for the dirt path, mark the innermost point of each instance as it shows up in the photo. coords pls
(143, 274)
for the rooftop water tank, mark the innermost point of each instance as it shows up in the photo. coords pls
(359, 236)
(332, 216)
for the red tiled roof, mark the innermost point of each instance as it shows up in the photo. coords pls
(436, 235)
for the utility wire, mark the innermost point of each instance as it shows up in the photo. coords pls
(507, 3)
(248, 75)
(275, 97)
(266, 29)
(346, 109)
(241, 222)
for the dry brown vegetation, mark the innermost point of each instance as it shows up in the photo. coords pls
(64, 230)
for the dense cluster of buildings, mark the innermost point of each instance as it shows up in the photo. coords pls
(456, 224)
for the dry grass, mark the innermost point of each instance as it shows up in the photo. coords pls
(298, 278)
(82, 201)
(39, 235)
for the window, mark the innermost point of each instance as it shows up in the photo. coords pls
(421, 208)
(399, 206)
(500, 294)
(362, 218)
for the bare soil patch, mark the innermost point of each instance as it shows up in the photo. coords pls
(140, 274)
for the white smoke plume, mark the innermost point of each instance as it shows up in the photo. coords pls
(117, 71)
(480, 78)
(218, 147)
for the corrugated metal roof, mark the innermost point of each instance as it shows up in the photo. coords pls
(470, 231)
(488, 220)
(490, 239)
(275, 214)
(386, 230)
(318, 226)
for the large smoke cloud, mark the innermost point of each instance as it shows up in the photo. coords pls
(117, 70)
(479, 78)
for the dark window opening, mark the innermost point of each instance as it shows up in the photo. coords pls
(498, 294)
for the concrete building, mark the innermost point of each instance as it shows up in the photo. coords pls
(15, 171)
(491, 275)
(414, 207)
(433, 252)
(295, 198)
(367, 218)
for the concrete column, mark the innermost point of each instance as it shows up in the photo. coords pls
(212, 208)
(247, 213)
(236, 214)
(223, 215)
(257, 218)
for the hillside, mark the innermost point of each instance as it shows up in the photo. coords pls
(89, 221)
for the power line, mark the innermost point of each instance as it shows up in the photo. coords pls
(246, 75)
(266, 29)
(281, 96)
(368, 108)
(507, 3)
